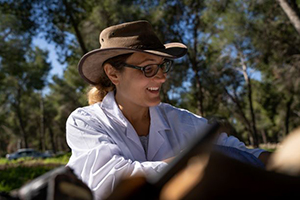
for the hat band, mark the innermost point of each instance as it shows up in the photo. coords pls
(146, 47)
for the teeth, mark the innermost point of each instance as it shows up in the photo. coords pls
(153, 88)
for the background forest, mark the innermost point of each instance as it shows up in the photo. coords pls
(243, 63)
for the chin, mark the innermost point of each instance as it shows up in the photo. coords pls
(154, 103)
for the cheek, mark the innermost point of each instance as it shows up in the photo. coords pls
(138, 86)
(131, 84)
(136, 79)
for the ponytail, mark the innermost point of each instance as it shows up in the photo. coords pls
(98, 92)
(95, 95)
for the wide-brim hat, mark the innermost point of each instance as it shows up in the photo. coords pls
(130, 37)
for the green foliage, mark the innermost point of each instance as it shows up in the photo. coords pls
(15, 173)
(229, 43)
(14, 178)
(59, 159)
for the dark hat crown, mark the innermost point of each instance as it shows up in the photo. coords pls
(135, 35)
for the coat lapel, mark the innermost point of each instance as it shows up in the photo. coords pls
(158, 127)
(114, 113)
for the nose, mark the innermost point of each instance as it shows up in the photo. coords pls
(160, 76)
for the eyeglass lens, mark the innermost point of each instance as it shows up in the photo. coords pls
(151, 70)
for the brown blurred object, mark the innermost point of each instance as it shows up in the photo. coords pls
(224, 177)
(216, 177)
(220, 178)
(183, 182)
(203, 173)
(286, 159)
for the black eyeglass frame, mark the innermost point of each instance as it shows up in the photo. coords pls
(158, 67)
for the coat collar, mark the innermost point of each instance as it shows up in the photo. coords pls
(112, 109)
(158, 124)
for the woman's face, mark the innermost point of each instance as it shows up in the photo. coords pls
(133, 88)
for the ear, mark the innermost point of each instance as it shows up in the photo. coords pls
(112, 73)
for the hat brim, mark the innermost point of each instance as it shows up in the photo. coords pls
(90, 64)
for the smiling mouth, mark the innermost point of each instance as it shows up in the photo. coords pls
(153, 89)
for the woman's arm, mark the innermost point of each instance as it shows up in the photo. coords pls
(232, 141)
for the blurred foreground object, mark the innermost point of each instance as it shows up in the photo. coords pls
(206, 173)
(225, 177)
(287, 158)
(213, 176)
(60, 183)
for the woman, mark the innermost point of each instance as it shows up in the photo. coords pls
(127, 130)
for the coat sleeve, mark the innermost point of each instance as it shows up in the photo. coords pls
(223, 139)
(231, 141)
(97, 160)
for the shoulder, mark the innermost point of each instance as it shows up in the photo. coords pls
(181, 119)
(179, 113)
(84, 115)
(85, 130)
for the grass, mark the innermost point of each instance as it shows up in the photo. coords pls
(15, 177)
(16, 173)
(270, 147)
(60, 159)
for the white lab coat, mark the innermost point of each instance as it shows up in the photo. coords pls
(105, 146)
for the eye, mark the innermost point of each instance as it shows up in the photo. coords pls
(149, 69)
(164, 66)
(167, 65)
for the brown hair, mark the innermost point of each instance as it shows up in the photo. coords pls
(99, 91)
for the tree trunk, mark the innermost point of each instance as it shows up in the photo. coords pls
(287, 115)
(242, 115)
(196, 69)
(249, 96)
(199, 94)
(74, 24)
(22, 128)
(20, 118)
(264, 136)
(42, 131)
(52, 139)
(292, 12)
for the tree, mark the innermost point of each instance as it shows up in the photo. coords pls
(227, 41)
(279, 60)
(22, 78)
(292, 10)
(23, 69)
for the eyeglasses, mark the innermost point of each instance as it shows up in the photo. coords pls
(151, 70)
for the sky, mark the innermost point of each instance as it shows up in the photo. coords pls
(57, 68)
